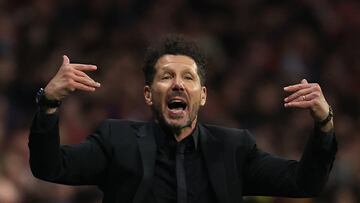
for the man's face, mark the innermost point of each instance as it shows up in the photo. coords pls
(176, 93)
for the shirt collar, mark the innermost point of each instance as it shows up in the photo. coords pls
(161, 136)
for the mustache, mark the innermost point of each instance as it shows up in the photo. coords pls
(177, 94)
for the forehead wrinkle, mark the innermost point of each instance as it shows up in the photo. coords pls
(173, 62)
(169, 58)
(180, 64)
(184, 69)
(168, 66)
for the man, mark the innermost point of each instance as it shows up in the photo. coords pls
(174, 158)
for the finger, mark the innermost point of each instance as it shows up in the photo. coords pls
(299, 104)
(304, 81)
(83, 67)
(82, 74)
(80, 86)
(300, 93)
(307, 97)
(86, 81)
(312, 96)
(293, 88)
(66, 60)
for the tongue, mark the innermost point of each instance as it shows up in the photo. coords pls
(176, 112)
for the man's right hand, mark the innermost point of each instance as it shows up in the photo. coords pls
(69, 78)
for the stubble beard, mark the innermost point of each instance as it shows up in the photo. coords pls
(176, 128)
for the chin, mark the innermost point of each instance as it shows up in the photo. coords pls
(177, 124)
(173, 122)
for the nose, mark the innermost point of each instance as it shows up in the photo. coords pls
(178, 84)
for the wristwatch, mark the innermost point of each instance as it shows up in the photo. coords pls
(327, 119)
(42, 101)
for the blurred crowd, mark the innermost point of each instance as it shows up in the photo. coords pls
(254, 48)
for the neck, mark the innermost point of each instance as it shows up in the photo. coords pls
(179, 133)
(184, 132)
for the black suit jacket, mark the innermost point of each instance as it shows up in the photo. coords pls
(119, 158)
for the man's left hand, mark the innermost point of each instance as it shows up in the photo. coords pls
(309, 96)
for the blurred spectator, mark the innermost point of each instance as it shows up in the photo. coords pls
(254, 49)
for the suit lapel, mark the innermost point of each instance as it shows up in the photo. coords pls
(147, 148)
(213, 152)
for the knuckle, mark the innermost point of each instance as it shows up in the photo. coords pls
(70, 83)
(71, 70)
(66, 68)
(67, 74)
(86, 81)
(317, 86)
(316, 102)
(311, 103)
(81, 73)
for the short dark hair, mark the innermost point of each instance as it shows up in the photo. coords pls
(175, 45)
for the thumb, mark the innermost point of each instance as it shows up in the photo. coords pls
(66, 60)
(304, 81)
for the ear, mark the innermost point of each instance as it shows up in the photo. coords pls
(147, 95)
(203, 95)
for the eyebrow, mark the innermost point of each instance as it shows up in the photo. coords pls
(166, 69)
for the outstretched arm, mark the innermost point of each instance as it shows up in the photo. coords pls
(266, 174)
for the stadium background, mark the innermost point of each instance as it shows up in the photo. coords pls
(255, 47)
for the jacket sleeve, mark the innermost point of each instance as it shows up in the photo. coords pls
(81, 164)
(266, 174)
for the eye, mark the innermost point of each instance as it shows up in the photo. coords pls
(188, 77)
(166, 77)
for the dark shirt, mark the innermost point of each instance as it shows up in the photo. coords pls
(164, 188)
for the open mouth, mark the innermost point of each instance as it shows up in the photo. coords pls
(177, 104)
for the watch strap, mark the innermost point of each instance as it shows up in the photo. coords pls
(43, 101)
(328, 118)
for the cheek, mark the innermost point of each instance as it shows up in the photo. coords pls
(196, 98)
(157, 97)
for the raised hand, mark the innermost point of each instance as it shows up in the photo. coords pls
(69, 78)
(309, 96)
